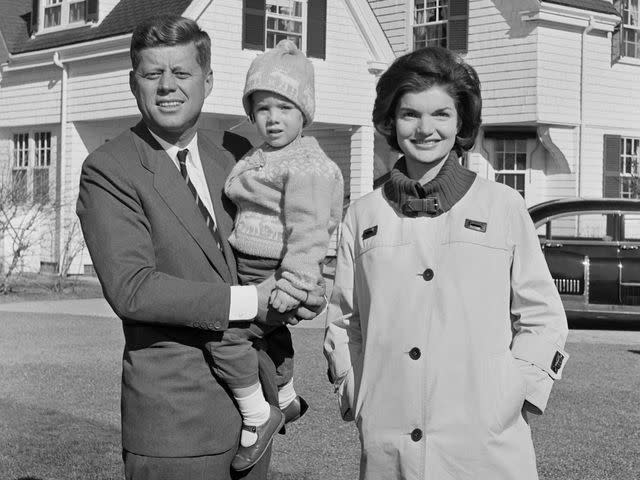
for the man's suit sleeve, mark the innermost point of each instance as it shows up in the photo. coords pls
(117, 233)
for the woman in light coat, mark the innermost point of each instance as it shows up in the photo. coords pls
(444, 327)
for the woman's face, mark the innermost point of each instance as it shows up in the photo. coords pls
(426, 125)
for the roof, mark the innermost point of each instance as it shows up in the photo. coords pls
(15, 17)
(600, 6)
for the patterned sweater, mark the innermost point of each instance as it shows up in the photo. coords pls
(289, 202)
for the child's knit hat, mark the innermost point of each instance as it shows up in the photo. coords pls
(286, 71)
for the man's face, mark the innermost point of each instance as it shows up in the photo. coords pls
(170, 88)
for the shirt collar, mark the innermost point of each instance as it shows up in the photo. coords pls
(172, 150)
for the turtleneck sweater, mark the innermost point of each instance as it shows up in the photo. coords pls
(412, 199)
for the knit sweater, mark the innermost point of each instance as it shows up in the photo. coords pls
(289, 202)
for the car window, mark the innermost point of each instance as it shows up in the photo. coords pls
(631, 225)
(579, 226)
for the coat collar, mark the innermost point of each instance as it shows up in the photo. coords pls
(174, 191)
(435, 197)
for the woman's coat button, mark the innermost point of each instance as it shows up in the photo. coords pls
(414, 353)
(416, 435)
(427, 274)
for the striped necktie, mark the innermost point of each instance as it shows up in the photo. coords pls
(211, 223)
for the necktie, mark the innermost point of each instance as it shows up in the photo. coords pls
(211, 224)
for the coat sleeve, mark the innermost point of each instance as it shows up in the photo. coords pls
(343, 335)
(118, 236)
(538, 318)
(309, 202)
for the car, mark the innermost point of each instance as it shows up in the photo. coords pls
(592, 248)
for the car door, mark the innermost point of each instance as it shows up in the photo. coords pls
(629, 257)
(582, 257)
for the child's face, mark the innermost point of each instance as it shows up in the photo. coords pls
(426, 126)
(278, 120)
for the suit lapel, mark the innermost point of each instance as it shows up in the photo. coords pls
(216, 176)
(175, 193)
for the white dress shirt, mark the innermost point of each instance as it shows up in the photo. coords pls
(244, 298)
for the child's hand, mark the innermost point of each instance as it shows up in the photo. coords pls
(282, 301)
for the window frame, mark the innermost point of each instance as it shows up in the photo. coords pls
(627, 27)
(495, 160)
(38, 156)
(629, 173)
(427, 24)
(64, 24)
(302, 19)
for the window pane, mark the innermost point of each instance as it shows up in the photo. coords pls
(19, 190)
(52, 16)
(21, 150)
(41, 185)
(77, 12)
(631, 224)
(509, 161)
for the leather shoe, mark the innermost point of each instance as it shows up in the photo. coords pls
(295, 409)
(247, 457)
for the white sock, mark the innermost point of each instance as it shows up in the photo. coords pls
(254, 410)
(286, 395)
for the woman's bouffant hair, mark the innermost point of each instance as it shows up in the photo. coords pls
(419, 70)
(169, 31)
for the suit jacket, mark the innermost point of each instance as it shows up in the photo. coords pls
(164, 276)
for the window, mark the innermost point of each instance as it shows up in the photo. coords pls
(629, 27)
(64, 12)
(510, 162)
(285, 19)
(31, 162)
(430, 23)
(439, 23)
(621, 176)
(266, 22)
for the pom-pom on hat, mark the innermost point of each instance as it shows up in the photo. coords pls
(286, 71)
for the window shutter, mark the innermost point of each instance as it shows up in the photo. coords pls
(317, 28)
(253, 13)
(35, 10)
(458, 26)
(92, 10)
(611, 167)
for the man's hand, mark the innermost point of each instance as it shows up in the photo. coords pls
(315, 303)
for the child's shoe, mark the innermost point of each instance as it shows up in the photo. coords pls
(247, 457)
(295, 409)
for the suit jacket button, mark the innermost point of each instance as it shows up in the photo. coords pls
(414, 353)
(416, 435)
(427, 274)
(217, 326)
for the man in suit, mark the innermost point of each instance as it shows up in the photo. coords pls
(156, 224)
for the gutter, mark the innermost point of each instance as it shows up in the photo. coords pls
(61, 160)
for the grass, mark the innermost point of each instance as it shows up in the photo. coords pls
(59, 408)
(38, 286)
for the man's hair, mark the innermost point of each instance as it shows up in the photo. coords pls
(169, 31)
(420, 70)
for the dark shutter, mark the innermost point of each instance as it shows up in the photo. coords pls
(611, 167)
(317, 29)
(92, 10)
(35, 10)
(253, 13)
(458, 26)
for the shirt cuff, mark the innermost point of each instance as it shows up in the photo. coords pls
(243, 303)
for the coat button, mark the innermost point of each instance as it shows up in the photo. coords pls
(217, 326)
(416, 435)
(414, 353)
(427, 274)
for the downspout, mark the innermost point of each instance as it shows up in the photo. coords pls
(581, 125)
(61, 160)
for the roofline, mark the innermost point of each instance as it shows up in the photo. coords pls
(69, 53)
(196, 8)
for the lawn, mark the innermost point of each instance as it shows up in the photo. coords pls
(59, 400)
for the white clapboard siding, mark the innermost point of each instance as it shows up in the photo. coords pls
(30, 97)
(392, 15)
(503, 51)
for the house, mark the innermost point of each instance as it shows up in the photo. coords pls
(560, 87)
(64, 90)
(560, 84)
